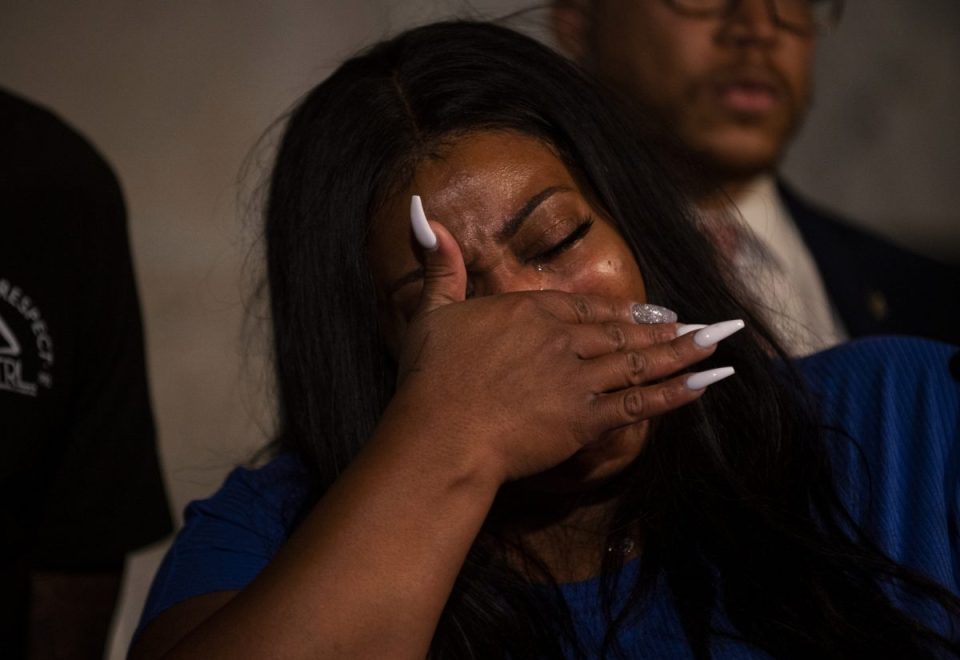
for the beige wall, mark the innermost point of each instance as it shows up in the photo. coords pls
(882, 143)
(176, 94)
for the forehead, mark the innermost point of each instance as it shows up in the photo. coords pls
(472, 185)
(479, 178)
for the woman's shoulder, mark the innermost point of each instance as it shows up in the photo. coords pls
(895, 393)
(892, 352)
(261, 504)
(882, 370)
(276, 489)
(891, 409)
(228, 538)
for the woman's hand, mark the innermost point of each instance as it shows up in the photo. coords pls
(522, 381)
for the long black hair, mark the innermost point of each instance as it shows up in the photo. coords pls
(736, 501)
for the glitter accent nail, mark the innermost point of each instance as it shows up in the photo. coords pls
(647, 313)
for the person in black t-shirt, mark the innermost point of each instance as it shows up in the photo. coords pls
(79, 478)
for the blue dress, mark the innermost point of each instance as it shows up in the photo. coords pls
(896, 397)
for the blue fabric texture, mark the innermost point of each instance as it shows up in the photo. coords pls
(895, 412)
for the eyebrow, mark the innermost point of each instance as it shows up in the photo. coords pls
(513, 224)
(507, 231)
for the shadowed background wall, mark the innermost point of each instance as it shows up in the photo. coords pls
(177, 94)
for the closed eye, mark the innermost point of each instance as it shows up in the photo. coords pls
(565, 243)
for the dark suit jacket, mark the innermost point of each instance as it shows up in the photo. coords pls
(875, 286)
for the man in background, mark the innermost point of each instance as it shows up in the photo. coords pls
(730, 80)
(79, 480)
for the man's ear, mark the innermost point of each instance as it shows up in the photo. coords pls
(570, 21)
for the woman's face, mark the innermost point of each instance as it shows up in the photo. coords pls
(523, 224)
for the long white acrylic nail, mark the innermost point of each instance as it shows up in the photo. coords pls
(687, 328)
(421, 228)
(718, 331)
(702, 379)
(647, 313)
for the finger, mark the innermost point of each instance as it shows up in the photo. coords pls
(583, 308)
(444, 273)
(649, 313)
(634, 404)
(635, 366)
(598, 339)
(642, 361)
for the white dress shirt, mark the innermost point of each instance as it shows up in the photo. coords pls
(780, 272)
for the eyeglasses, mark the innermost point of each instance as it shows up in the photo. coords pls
(796, 15)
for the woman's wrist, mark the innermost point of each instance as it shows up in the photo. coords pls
(447, 447)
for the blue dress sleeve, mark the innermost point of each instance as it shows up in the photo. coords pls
(229, 538)
(893, 409)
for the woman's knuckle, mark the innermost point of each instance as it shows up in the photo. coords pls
(671, 395)
(665, 332)
(636, 366)
(616, 333)
(582, 309)
(633, 404)
(676, 351)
